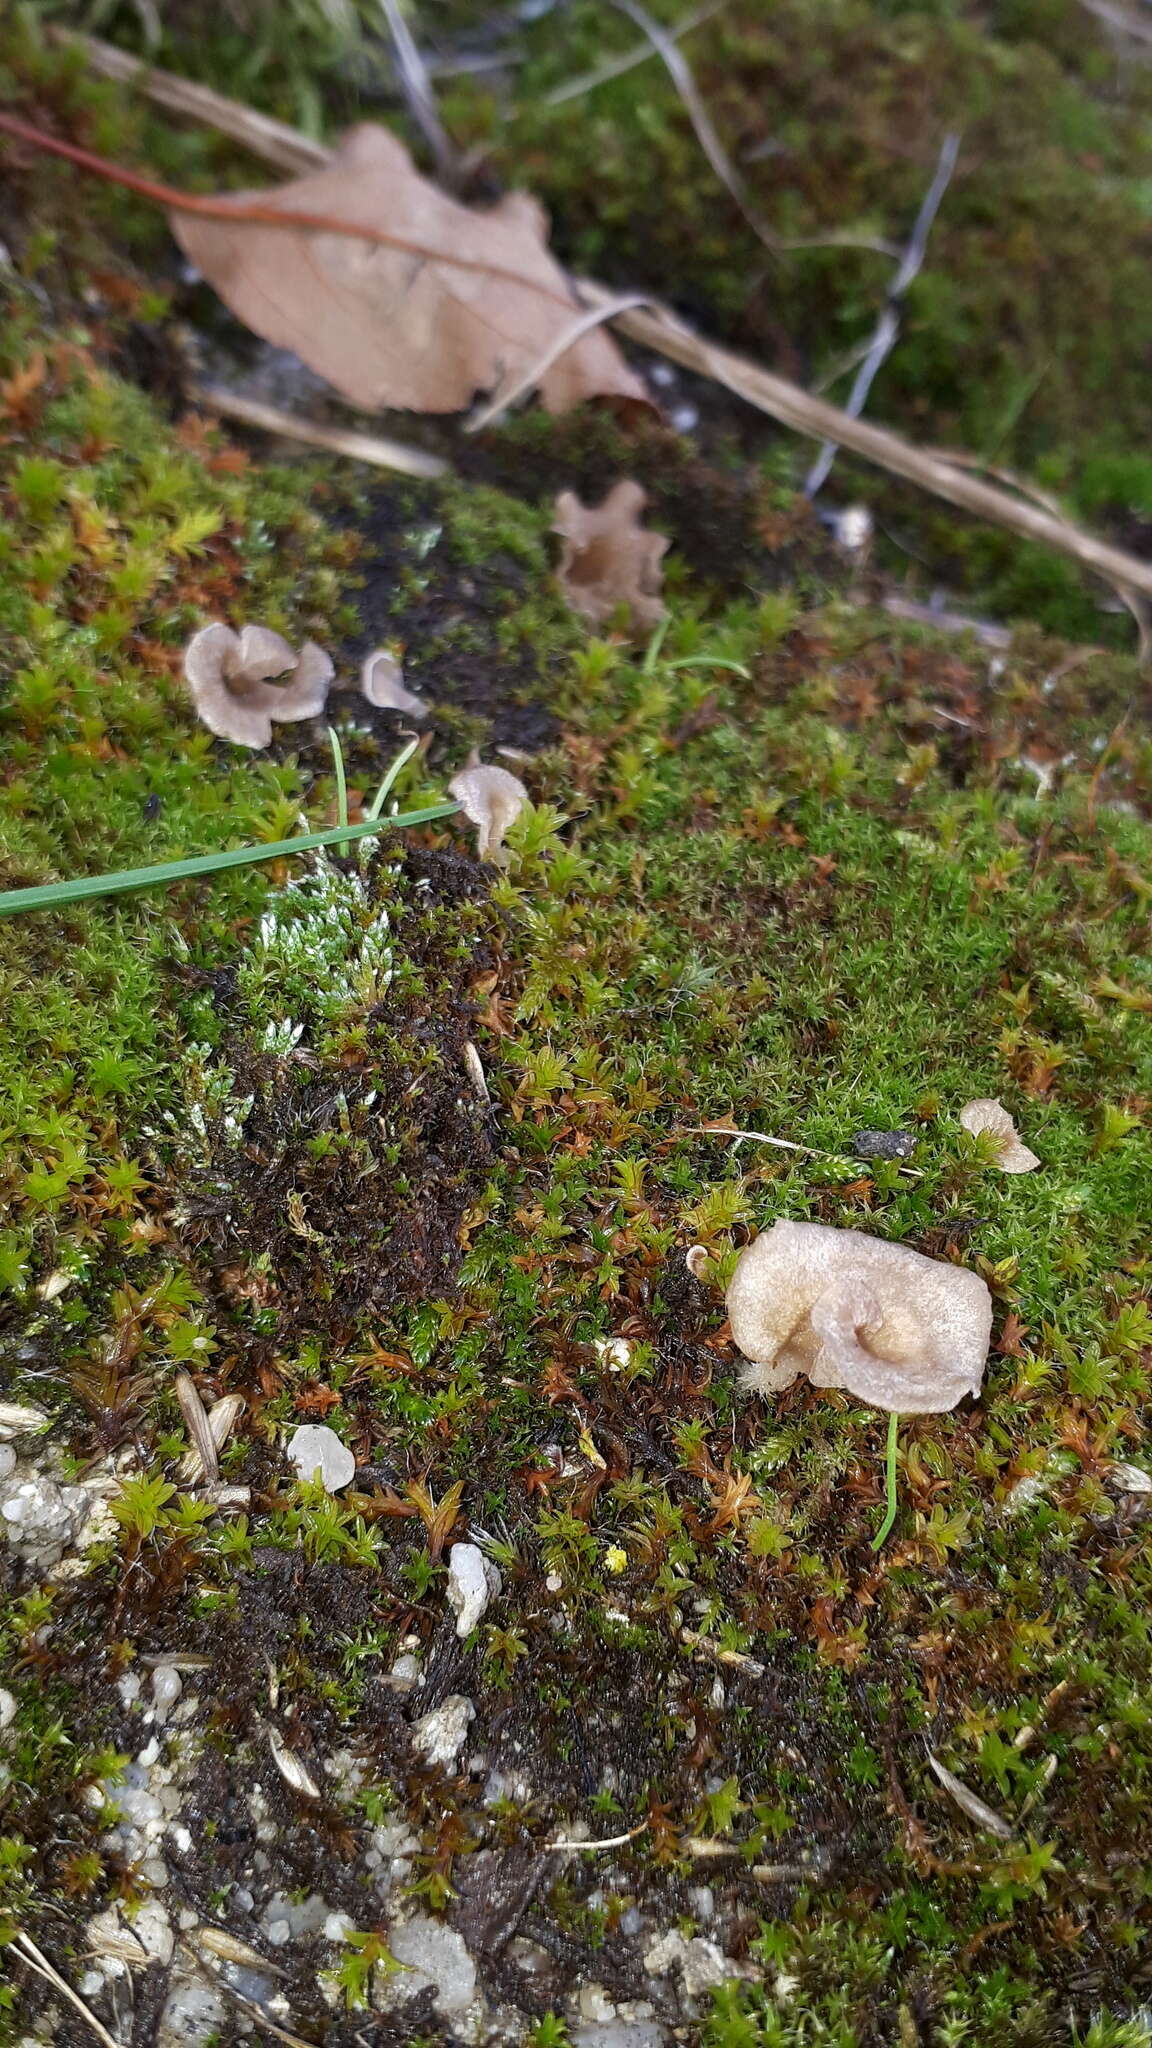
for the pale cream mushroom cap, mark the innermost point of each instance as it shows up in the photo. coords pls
(493, 800)
(896, 1329)
(382, 682)
(987, 1114)
(228, 673)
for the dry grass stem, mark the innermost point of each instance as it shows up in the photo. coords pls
(887, 328)
(680, 72)
(615, 67)
(271, 419)
(503, 400)
(412, 72)
(36, 1960)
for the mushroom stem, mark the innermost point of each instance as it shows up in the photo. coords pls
(890, 1512)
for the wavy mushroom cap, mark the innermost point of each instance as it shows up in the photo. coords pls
(988, 1116)
(228, 675)
(609, 560)
(382, 682)
(894, 1328)
(493, 800)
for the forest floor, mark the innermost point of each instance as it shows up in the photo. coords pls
(790, 866)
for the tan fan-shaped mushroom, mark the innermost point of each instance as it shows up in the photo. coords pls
(898, 1330)
(493, 800)
(229, 676)
(988, 1117)
(609, 561)
(382, 682)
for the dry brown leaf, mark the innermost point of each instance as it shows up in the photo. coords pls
(391, 326)
(609, 562)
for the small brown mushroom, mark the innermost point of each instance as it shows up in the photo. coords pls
(382, 682)
(609, 561)
(229, 675)
(988, 1116)
(898, 1330)
(493, 800)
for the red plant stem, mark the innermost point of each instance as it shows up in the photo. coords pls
(212, 207)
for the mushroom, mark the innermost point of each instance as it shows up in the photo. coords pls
(609, 560)
(229, 675)
(382, 682)
(988, 1117)
(493, 800)
(898, 1330)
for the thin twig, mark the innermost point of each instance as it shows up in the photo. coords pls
(417, 88)
(761, 1137)
(36, 1960)
(505, 398)
(888, 326)
(608, 1842)
(270, 419)
(615, 67)
(680, 72)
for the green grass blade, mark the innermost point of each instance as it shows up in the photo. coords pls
(345, 847)
(49, 895)
(890, 1473)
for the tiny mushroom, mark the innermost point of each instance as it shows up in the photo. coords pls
(382, 682)
(493, 800)
(230, 678)
(610, 564)
(898, 1330)
(988, 1117)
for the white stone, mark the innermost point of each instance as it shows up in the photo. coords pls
(167, 1686)
(278, 1932)
(595, 2003)
(554, 1582)
(405, 1672)
(436, 1959)
(473, 1581)
(91, 1984)
(853, 527)
(7, 1708)
(152, 1927)
(338, 1926)
(41, 1518)
(317, 1452)
(701, 1964)
(193, 2014)
(441, 1734)
(7, 1461)
(128, 1688)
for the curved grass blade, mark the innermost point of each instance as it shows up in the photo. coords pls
(49, 895)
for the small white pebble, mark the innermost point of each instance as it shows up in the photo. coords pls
(167, 1686)
(7, 1461)
(317, 1453)
(7, 1707)
(278, 1933)
(554, 1582)
(149, 1753)
(91, 1983)
(853, 528)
